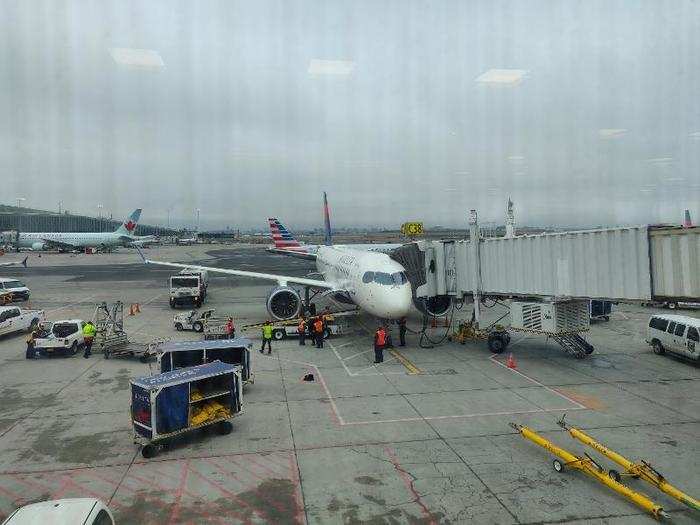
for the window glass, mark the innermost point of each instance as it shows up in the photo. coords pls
(680, 329)
(103, 518)
(368, 277)
(185, 282)
(399, 278)
(693, 334)
(671, 327)
(13, 313)
(658, 323)
(383, 278)
(13, 284)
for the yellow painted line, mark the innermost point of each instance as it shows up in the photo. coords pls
(412, 369)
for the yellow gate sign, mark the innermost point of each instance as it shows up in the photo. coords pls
(412, 229)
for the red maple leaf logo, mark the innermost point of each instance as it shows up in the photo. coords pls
(130, 226)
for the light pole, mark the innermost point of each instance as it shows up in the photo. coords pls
(20, 200)
(60, 203)
(99, 213)
(198, 210)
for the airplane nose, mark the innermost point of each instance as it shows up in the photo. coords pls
(398, 303)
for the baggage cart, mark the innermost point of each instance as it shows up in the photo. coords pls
(180, 354)
(600, 310)
(168, 405)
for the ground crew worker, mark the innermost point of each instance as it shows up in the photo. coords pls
(318, 331)
(31, 351)
(301, 329)
(402, 331)
(89, 332)
(379, 344)
(266, 337)
(230, 328)
(311, 330)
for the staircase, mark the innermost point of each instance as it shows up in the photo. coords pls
(574, 344)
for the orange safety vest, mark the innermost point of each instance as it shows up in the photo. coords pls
(318, 326)
(381, 337)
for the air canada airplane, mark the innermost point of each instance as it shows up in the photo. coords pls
(373, 281)
(16, 263)
(122, 236)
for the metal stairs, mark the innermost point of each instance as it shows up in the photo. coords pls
(574, 344)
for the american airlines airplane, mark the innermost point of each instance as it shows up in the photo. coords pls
(122, 236)
(373, 281)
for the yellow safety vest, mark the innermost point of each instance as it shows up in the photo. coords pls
(267, 331)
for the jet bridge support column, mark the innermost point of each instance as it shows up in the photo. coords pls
(474, 244)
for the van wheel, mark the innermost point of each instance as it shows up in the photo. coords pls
(197, 327)
(672, 306)
(178, 327)
(278, 335)
(74, 348)
(658, 348)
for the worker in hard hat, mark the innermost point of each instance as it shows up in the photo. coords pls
(266, 337)
(89, 332)
(380, 341)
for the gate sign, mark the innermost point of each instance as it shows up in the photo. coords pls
(412, 229)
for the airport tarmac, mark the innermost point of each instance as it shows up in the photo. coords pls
(423, 438)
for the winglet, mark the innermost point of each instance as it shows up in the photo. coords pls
(327, 221)
(24, 262)
(143, 257)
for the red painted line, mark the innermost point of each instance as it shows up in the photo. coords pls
(298, 495)
(178, 492)
(408, 481)
(10, 494)
(258, 462)
(231, 495)
(273, 503)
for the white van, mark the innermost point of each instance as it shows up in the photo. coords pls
(674, 333)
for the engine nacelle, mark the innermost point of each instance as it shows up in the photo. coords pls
(38, 246)
(434, 306)
(283, 303)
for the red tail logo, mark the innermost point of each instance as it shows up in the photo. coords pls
(130, 226)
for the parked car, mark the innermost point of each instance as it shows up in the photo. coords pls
(65, 337)
(71, 511)
(17, 288)
(676, 334)
(15, 319)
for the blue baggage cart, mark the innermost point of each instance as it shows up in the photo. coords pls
(181, 354)
(166, 405)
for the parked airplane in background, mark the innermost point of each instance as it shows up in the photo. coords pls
(286, 244)
(373, 281)
(122, 236)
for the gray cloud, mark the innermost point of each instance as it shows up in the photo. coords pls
(390, 118)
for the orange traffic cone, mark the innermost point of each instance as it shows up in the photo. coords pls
(131, 309)
(511, 362)
(138, 308)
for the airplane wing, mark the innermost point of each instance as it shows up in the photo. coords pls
(292, 253)
(23, 263)
(281, 280)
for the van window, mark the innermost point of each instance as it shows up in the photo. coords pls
(693, 334)
(671, 327)
(658, 323)
(680, 330)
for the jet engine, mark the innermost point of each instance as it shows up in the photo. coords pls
(434, 306)
(283, 303)
(38, 246)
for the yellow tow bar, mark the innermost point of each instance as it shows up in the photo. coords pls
(642, 470)
(589, 466)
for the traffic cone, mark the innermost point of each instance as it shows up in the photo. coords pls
(138, 308)
(131, 309)
(511, 362)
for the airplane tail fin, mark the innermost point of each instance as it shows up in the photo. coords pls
(687, 223)
(129, 226)
(281, 236)
(24, 262)
(327, 220)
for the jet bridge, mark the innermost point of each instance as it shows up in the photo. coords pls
(628, 264)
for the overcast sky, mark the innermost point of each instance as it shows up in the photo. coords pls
(248, 109)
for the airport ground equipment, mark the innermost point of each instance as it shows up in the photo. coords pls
(289, 328)
(17, 289)
(109, 328)
(185, 289)
(173, 355)
(588, 465)
(600, 310)
(641, 470)
(676, 334)
(167, 405)
(217, 328)
(14, 319)
(193, 320)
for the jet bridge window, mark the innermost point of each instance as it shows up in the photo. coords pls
(383, 278)
(368, 277)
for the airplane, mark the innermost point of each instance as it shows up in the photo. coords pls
(286, 244)
(16, 263)
(122, 236)
(370, 280)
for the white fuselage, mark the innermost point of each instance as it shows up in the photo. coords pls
(76, 239)
(374, 282)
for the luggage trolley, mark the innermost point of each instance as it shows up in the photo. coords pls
(180, 354)
(167, 405)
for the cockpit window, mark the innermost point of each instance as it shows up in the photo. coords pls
(368, 277)
(383, 278)
(399, 278)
